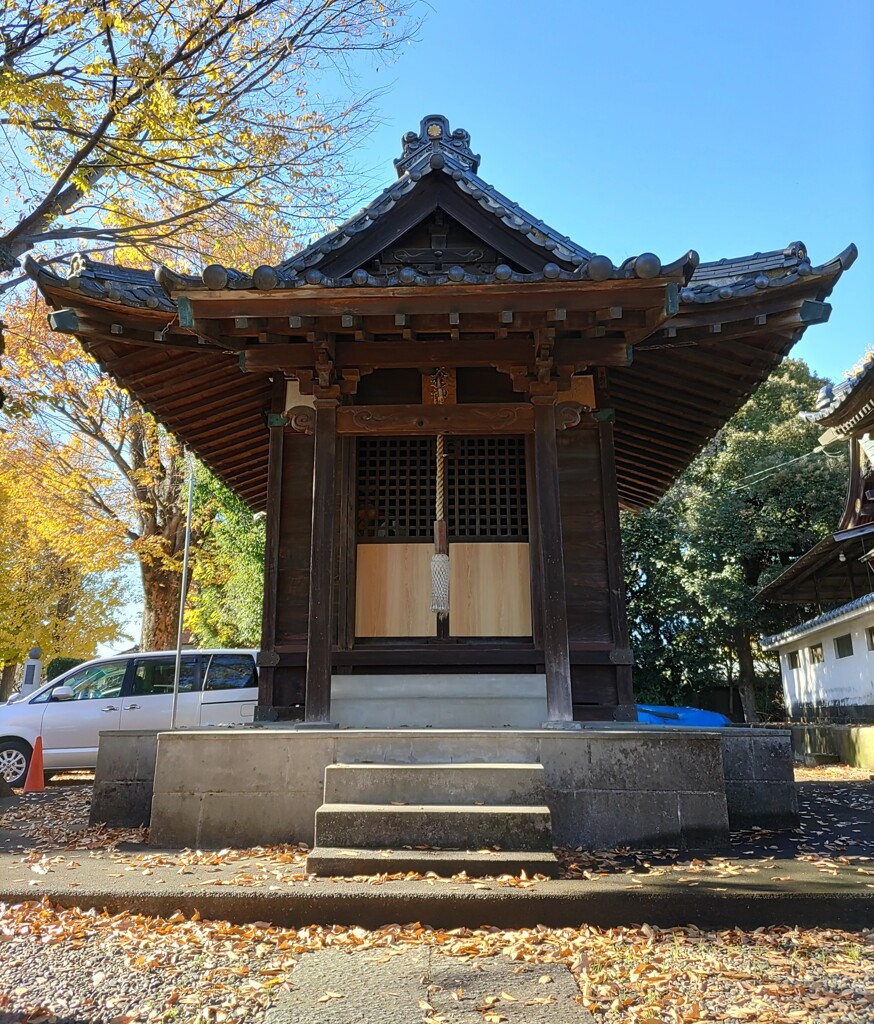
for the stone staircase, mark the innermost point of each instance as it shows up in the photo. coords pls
(485, 819)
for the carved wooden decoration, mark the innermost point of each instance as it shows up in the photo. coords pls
(448, 384)
(301, 419)
(573, 414)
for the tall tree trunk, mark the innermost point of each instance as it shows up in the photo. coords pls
(746, 680)
(7, 681)
(161, 591)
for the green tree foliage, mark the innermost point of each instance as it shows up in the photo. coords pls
(756, 498)
(57, 666)
(676, 651)
(224, 605)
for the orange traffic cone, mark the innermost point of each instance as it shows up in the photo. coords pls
(35, 781)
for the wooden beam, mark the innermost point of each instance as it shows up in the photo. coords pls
(319, 624)
(783, 300)
(541, 296)
(348, 552)
(550, 560)
(391, 354)
(386, 326)
(89, 329)
(417, 420)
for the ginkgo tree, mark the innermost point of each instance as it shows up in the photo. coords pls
(59, 584)
(164, 126)
(94, 450)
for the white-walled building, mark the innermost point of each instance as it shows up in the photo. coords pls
(827, 663)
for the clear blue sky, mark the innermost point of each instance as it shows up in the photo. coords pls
(634, 126)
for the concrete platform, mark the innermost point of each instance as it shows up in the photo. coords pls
(608, 784)
(785, 893)
(762, 878)
(504, 700)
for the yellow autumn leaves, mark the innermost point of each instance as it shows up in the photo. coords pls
(148, 124)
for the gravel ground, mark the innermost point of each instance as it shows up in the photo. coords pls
(69, 967)
(72, 967)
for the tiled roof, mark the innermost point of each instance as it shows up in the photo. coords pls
(435, 149)
(834, 400)
(835, 615)
(106, 282)
(746, 276)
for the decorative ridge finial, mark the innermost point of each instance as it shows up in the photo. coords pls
(435, 138)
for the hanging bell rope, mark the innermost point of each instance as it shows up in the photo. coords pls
(440, 558)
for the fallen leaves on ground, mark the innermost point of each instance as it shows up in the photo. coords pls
(626, 975)
(832, 773)
(58, 818)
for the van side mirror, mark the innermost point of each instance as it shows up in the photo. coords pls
(63, 693)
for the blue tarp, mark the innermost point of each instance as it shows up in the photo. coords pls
(654, 714)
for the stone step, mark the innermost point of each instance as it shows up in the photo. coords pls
(820, 757)
(330, 861)
(442, 826)
(471, 784)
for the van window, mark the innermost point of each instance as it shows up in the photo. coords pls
(97, 682)
(156, 675)
(230, 672)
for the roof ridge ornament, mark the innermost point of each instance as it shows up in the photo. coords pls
(436, 140)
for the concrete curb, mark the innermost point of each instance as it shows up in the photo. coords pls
(608, 902)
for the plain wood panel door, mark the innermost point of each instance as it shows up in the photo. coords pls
(393, 590)
(489, 589)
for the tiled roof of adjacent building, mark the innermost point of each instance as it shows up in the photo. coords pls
(804, 628)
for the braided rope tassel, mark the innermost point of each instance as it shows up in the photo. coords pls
(440, 558)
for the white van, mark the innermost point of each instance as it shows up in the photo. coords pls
(125, 691)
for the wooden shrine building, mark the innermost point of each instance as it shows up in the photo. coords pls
(557, 386)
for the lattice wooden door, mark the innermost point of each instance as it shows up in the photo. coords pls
(487, 514)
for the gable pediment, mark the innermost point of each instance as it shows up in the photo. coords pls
(429, 239)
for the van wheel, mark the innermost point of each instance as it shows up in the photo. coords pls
(14, 761)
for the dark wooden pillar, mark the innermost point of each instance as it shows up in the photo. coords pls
(267, 658)
(615, 573)
(550, 559)
(319, 632)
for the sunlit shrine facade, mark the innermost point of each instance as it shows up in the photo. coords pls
(442, 406)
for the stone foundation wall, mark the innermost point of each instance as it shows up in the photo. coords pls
(124, 778)
(605, 789)
(759, 778)
(645, 786)
(853, 744)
